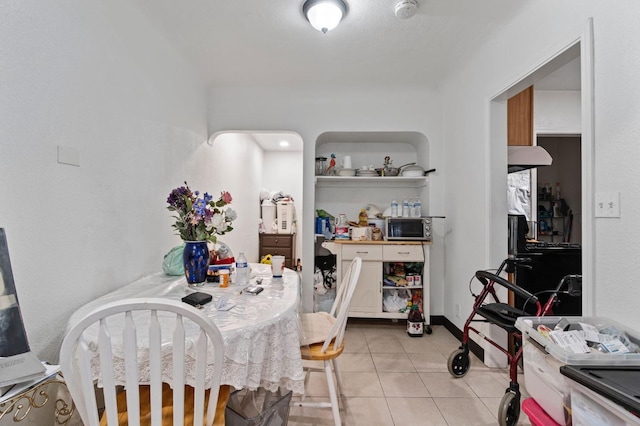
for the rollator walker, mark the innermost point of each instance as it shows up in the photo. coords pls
(504, 316)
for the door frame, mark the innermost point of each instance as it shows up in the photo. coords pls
(582, 47)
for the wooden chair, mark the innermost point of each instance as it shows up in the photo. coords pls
(331, 346)
(145, 403)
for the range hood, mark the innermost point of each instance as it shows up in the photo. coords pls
(522, 157)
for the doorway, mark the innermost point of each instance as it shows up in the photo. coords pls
(582, 48)
(252, 164)
(559, 192)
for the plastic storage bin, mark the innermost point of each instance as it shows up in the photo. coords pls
(257, 408)
(537, 416)
(542, 359)
(589, 408)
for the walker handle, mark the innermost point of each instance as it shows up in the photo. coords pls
(484, 277)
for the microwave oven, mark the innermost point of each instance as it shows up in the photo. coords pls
(408, 228)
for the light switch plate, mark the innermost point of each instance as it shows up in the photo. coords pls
(607, 204)
(68, 155)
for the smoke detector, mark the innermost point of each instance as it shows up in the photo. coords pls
(406, 9)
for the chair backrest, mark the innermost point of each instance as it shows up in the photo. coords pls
(340, 307)
(123, 329)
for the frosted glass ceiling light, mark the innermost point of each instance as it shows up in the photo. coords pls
(324, 15)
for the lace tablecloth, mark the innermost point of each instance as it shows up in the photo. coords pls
(261, 332)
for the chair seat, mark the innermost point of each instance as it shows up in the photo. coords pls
(502, 315)
(316, 327)
(314, 352)
(167, 406)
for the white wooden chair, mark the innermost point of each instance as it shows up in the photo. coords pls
(331, 346)
(157, 399)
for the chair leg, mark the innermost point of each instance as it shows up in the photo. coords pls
(307, 373)
(332, 393)
(338, 376)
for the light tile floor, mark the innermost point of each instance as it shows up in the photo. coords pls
(391, 378)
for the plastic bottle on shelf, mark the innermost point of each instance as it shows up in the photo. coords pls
(412, 207)
(242, 270)
(394, 208)
(405, 208)
(417, 207)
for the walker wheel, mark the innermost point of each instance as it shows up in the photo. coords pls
(509, 410)
(458, 363)
(428, 329)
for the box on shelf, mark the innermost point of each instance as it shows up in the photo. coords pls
(542, 359)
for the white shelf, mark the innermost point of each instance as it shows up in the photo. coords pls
(366, 181)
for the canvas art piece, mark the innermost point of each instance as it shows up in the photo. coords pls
(17, 363)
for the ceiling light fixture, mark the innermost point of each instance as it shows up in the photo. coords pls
(324, 15)
(284, 144)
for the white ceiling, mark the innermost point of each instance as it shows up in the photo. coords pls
(251, 43)
(270, 43)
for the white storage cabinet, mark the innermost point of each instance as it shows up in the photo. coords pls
(368, 297)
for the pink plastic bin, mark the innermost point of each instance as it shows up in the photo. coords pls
(537, 415)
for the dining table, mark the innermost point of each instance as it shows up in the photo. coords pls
(261, 332)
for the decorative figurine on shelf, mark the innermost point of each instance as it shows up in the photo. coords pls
(332, 166)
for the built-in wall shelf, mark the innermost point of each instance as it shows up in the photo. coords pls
(365, 181)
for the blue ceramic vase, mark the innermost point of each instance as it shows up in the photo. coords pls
(196, 261)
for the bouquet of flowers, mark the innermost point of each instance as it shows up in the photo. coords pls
(200, 218)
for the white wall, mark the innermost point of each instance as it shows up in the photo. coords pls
(311, 112)
(557, 112)
(283, 172)
(238, 164)
(514, 50)
(94, 77)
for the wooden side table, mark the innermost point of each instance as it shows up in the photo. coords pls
(281, 245)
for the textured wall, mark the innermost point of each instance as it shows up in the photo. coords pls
(515, 50)
(94, 77)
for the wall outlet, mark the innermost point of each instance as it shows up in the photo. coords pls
(457, 310)
(607, 204)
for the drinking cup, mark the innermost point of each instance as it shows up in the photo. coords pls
(277, 266)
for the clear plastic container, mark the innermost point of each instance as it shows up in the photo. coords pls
(529, 325)
(394, 208)
(542, 359)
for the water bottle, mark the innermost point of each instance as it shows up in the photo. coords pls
(394, 208)
(405, 208)
(418, 207)
(242, 270)
(412, 207)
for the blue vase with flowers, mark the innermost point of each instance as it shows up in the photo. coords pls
(198, 221)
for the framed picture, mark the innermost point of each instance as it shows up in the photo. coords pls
(13, 336)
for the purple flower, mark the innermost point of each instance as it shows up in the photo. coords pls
(200, 218)
(177, 197)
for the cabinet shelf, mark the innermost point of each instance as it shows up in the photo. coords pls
(380, 181)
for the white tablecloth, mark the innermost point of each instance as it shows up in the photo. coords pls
(261, 333)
